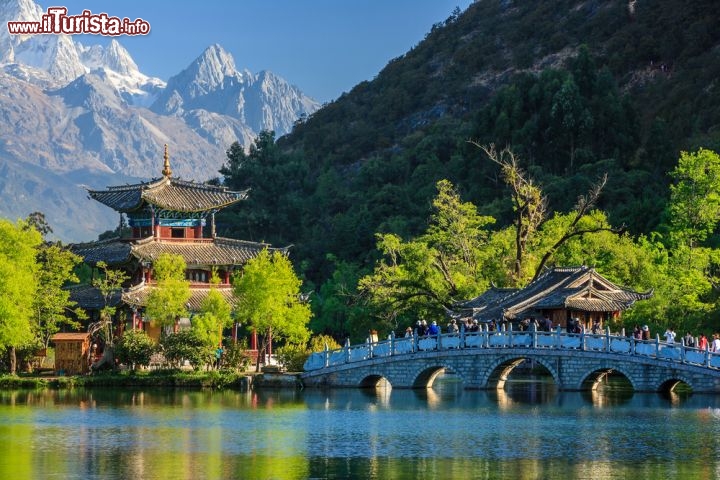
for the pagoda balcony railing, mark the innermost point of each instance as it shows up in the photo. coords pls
(195, 284)
(180, 240)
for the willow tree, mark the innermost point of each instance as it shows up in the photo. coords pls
(18, 285)
(269, 300)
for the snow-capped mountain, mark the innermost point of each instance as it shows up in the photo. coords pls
(85, 115)
(212, 85)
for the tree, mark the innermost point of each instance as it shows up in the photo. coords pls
(52, 301)
(135, 349)
(213, 317)
(529, 203)
(187, 345)
(694, 208)
(167, 302)
(530, 207)
(268, 297)
(18, 283)
(109, 283)
(421, 278)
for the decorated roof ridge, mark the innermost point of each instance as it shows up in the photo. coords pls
(540, 293)
(129, 186)
(94, 243)
(261, 245)
(155, 183)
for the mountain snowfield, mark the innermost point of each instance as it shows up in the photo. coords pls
(77, 116)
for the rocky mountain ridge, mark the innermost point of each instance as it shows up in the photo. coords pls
(77, 116)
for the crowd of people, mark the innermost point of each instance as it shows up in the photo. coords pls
(701, 342)
(574, 325)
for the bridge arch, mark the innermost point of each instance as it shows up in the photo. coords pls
(670, 382)
(425, 376)
(374, 380)
(497, 373)
(593, 378)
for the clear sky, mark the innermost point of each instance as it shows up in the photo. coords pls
(325, 47)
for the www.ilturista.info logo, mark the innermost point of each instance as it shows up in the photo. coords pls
(57, 21)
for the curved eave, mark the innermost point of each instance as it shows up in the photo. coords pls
(221, 251)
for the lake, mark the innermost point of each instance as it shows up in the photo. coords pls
(527, 431)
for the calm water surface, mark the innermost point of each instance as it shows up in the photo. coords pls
(528, 431)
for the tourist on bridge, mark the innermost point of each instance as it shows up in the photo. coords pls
(452, 327)
(637, 333)
(433, 329)
(703, 342)
(715, 346)
(645, 332)
(669, 335)
(689, 340)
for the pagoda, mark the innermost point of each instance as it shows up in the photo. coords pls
(165, 215)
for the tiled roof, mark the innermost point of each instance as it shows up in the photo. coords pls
(138, 295)
(112, 252)
(219, 251)
(168, 193)
(577, 288)
(89, 297)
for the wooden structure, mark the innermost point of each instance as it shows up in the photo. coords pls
(166, 215)
(72, 352)
(561, 294)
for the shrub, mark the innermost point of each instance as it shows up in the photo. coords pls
(135, 349)
(235, 356)
(292, 357)
(318, 343)
(187, 345)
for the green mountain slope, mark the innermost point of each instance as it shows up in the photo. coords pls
(578, 89)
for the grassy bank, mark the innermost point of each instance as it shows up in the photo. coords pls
(155, 378)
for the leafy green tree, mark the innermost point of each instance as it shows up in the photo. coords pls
(213, 317)
(268, 298)
(694, 208)
(135, 349)
(110, 283)
(52, 302)
(18, 284)
(187, 345)
(167, 301)
(421, 278)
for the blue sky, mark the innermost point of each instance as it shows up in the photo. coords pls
(325, 47)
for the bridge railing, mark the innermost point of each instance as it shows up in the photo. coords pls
(522, 340)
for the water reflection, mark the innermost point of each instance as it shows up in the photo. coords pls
(527, 430)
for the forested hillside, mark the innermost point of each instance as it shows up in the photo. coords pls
(577, 89)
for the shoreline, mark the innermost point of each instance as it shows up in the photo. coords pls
(214, 379)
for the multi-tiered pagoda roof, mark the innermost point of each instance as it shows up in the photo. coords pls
(168, 215)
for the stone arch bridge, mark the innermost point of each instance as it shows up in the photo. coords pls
(483, 360)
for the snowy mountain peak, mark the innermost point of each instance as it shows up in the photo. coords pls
(211, 68)
(113, 57)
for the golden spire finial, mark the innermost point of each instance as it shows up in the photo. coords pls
(166, 166)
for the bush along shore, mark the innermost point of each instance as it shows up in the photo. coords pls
(156, 378)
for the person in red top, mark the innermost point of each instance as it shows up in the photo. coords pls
(703, 343)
